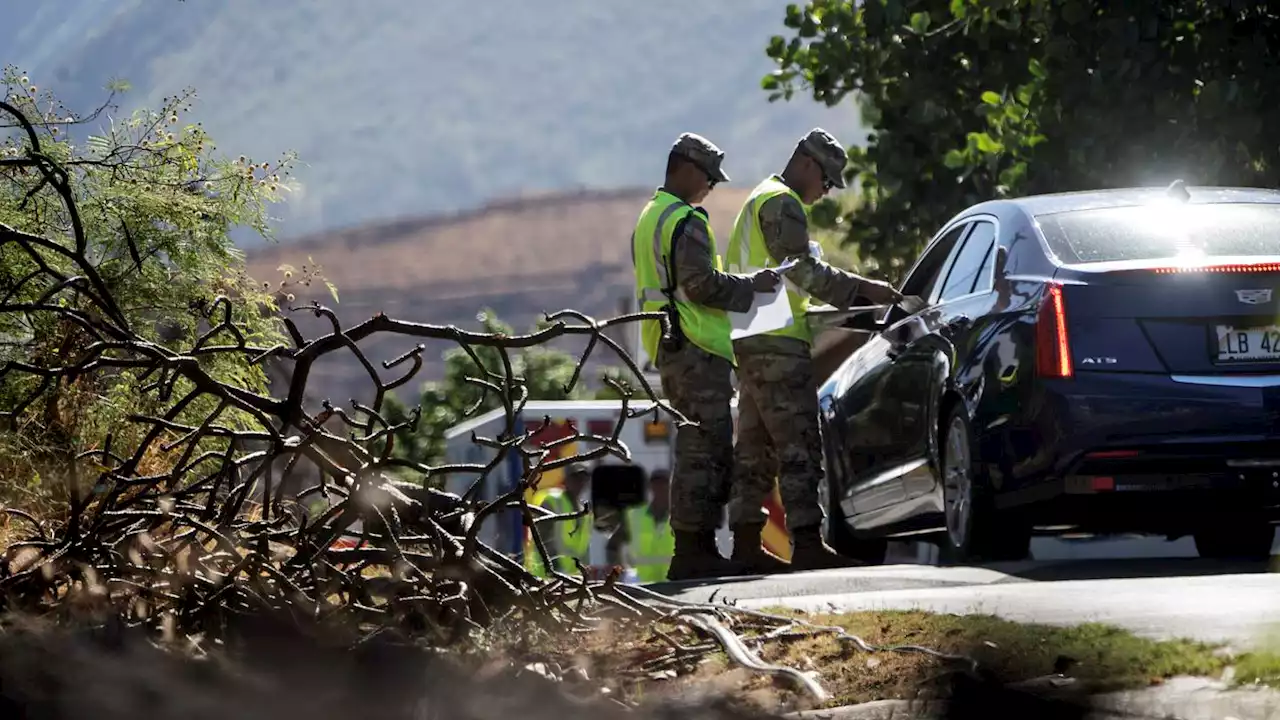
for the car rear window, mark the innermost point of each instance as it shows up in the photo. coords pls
(1156, 232)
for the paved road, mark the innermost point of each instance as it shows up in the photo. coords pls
(1150, 586)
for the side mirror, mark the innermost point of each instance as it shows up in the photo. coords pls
(865, 322)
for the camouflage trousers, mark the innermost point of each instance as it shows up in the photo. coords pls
(778, 432)
(699, 385)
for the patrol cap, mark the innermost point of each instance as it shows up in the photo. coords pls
(830, 155)
(701, 152)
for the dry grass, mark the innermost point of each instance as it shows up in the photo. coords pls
(1101, 658)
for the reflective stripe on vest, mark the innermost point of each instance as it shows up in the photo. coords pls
(652, 545)
(747, 253)
(705, 327)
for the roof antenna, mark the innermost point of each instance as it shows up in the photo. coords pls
(1178, 190)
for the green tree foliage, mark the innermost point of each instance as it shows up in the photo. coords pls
(546, 374)
(153, 207)
(968, 100)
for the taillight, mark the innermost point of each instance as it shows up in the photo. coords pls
(1053, 351)
(1231, 268)
(1111, 454)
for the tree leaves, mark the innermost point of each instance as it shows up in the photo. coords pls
(966, 100)
(156, 210)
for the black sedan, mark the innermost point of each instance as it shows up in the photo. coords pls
(1094, 362)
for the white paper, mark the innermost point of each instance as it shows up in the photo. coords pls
(770, 311)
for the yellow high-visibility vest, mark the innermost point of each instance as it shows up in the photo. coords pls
(708, 328)
(652, 544)
(574, 535)
(747, 253)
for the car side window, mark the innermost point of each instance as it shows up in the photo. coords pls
(971, 267)
(925, 277)
(984, 281)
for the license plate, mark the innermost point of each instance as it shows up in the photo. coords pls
(1248, 344)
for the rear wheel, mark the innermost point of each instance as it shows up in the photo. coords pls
(1247, 540)
(837, 533)
(975, 530)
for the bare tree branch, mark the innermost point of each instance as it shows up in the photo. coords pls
(211, 535)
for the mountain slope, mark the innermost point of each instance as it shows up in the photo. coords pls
(522, 258)
(402, 108)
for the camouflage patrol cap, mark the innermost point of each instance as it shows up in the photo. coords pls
(701, 152)
(830, 155)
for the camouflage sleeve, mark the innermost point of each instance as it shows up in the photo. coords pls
(697, 274)
(786, 234)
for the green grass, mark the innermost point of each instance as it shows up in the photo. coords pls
(1103, 658)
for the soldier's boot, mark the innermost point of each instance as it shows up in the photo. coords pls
(810, 552)
(749, 552)
(696, 557)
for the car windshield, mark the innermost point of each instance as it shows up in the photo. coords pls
(1159, 231)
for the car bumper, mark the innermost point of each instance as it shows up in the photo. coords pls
(1141, 447)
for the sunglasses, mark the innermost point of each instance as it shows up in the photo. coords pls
(712, 181)
(827, 183)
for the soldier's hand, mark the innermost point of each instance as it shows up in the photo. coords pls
(765, 281)
(878, 292)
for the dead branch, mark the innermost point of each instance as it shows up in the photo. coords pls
(186, 550)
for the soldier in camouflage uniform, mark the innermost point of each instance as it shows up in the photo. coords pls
(678, 272)
(778, 428)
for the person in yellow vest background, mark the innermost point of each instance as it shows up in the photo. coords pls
(649, 541)
(678, 272)
(565, 539)
(778, 428)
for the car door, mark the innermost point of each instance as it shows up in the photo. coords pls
(927, 354)
(871, 424)
(966, 304)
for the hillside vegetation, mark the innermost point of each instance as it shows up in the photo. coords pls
(407, 109)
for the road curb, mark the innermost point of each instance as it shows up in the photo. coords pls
(1189, 698)
(879, 710)
(1184, 698)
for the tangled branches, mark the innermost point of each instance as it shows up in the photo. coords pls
(176, 523)
(171, 526)
(189, 542)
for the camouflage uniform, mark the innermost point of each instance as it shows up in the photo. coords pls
(778, 428)
(698, 383)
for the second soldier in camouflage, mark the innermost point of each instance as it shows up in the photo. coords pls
(778, 431)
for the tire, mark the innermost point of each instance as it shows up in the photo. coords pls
(838, 535)
(975, 530)
(1248, 540)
